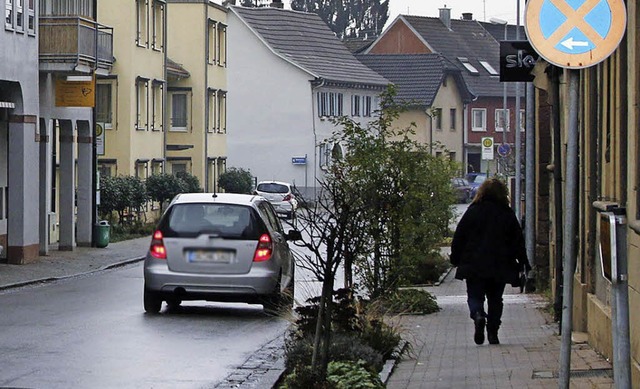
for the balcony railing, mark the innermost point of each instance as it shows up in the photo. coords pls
(71, 43)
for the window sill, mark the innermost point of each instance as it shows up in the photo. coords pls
(478, 130)
(178, 129)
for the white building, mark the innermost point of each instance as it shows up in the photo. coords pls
(288, 76)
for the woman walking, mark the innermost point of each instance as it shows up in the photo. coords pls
(489, 251)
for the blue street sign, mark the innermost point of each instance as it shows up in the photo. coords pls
(299, 160)
(575, 34)
(504, 149)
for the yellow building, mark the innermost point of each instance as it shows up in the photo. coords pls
(130, 102)
(196, 131)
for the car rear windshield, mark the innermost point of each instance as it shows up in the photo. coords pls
(224, 220)
(273, 188)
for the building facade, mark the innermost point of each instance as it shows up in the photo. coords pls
(19, 134)
(608, 172)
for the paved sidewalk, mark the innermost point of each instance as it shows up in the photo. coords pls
(445, 356)
(82, 260)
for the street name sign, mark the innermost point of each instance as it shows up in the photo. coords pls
(575, 34)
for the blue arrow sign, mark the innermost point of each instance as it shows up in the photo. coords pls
(575, 42)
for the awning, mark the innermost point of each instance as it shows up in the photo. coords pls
(7, 104)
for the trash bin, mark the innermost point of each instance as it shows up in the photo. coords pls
(102, 234)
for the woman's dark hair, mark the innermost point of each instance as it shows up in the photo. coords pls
(492, 189)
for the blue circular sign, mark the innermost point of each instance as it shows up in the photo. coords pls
(504, 149)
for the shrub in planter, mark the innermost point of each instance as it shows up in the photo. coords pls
(381, 337)
(409, 301)
(344, 347)
(352, 375)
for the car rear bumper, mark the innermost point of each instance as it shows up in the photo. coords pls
(247, 287)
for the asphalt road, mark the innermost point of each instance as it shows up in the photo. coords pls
(91, 332)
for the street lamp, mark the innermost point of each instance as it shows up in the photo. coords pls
(504, 90)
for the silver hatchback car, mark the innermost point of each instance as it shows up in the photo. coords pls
(220, 247)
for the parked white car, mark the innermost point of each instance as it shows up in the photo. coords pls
(280, 195)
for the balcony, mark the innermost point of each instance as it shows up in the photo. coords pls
(75, 44)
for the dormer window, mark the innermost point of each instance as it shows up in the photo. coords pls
(465, 62)
(489, 68)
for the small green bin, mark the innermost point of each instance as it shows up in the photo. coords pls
(102, 234)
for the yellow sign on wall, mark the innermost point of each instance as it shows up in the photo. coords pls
(75, 93)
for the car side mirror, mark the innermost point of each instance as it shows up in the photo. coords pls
(294, 235)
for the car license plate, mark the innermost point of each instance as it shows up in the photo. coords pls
(210, 256)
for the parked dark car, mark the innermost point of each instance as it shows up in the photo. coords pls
(475, 179)
(461, 189)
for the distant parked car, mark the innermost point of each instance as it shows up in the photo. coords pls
(461, 189)
(220, 247)
(475, 180)
(280, 194)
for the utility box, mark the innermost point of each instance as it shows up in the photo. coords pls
(102, 234)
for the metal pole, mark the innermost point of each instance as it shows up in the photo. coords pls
(530, 174)
(504, 112)
(570, 221)
(620, 309)
(518, 137)
(557, 193)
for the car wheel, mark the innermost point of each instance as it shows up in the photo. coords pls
(280, 301)
(152, 302)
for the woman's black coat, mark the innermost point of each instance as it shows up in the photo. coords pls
(488, 243)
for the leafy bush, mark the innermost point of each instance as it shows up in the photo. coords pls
(407, 301)
(344, 347)
(119, 194)
(381, 337)
(188, 182)
(425, 270)
(352, 375)
(236, 180)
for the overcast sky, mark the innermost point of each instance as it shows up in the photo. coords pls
(482, 10)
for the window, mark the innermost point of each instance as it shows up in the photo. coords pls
(212, 107)
(141, 169)
(332, 104)
(487, 66)
(8, 14)
(142, 103)
(502, 120)
(355, 105)
(142, 23)
(222, 112)
(367, 106)
(19, 14)
(221, 45)
(323, 155)
(179, 112)
(452, 119)
(158, 24)
(452, 155)
(478, 119)
(156, 166)
(523, 120)
(157, 102)
(438, 118)
(323, 104)
(105, 170)
(212, 44)
(465, 62)
(31, 17)
(104, 111)
(339, 104)
(178, 168)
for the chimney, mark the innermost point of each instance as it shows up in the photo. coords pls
(445, 16)
(276, 4)
(467, 16)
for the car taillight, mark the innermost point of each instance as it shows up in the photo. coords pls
(264, 249)
(157, 249)
(287, 198)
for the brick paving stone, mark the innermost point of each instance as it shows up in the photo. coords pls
(445, 356)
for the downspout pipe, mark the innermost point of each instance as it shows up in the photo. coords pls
(94, 148)
(315, 84)
(530, 178)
